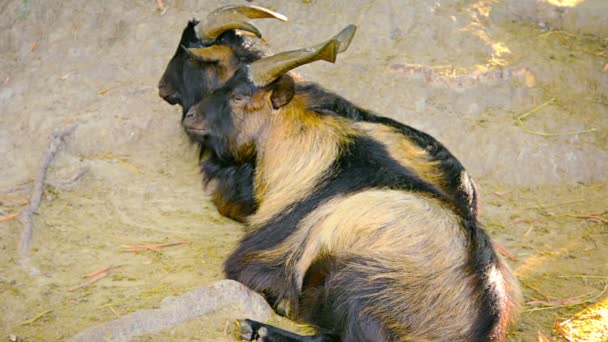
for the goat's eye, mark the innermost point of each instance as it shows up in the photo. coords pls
(237, 97)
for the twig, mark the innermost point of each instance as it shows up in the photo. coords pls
(555, 305)
(520, 123)
(35, 318)
(101, 270)
(57, 138)
(9, 217)
(91, 281)
(150, 246)
(70, 181)
(596, 217)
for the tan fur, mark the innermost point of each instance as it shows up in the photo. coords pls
(406, 152)
(407, 232)
(510, 297)
(287, 130)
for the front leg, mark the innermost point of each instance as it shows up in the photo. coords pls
(256, 331)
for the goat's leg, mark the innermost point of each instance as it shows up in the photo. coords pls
(256, 331)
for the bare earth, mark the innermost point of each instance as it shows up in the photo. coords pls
(463, 71)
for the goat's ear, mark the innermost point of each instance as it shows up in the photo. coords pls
(283, 90)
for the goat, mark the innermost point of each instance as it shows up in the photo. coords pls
(188, 77)
(346, 236)
(201, 66)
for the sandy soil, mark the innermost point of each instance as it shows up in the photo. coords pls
(463, 71)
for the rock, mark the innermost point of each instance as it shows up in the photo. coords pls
(176, 310)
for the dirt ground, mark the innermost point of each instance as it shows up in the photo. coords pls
(518, 90)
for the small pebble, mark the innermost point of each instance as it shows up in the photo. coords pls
(13, 338)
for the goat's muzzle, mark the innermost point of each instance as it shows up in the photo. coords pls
(168, 94)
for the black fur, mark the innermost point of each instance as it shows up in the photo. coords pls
(328, 102)
(184, 81)
(235, 185)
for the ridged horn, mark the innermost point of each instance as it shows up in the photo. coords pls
(213, 53)
(345, 37)
(262, 72)
(266, 70)
(235, 17)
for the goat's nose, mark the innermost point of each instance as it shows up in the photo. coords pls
(164, 90)
(191, 113)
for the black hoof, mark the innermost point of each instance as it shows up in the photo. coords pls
(252, 330)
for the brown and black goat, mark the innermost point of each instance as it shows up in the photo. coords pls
(209, 53)
(361, 245)
(189, 76)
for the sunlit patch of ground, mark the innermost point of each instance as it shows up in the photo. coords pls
(565, 3)
(591, 324)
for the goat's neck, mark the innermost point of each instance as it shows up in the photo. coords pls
(294, 152)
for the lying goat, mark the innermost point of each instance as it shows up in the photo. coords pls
(208, 54)
(350, 239)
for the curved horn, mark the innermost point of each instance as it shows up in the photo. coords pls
(262, 72)
(235, 17)
(251, 12)
(213, 53)
(345, 37)
(266, 70)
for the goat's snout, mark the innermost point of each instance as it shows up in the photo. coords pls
(193, 124)
(191, 114)
(167, 93)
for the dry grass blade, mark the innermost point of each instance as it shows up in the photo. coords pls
(583, 276)
(36, 317)
(595, 217)
(541, 337)
(121, 160)
(150, 246)
(590, 324)
(520, 123)
(562, 332)
(558, 302)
